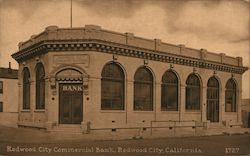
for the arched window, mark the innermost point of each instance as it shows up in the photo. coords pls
(26, 88)
(193, 92)
(230, 96)
(40, 86)
(213, 100)
(112, 87)
(143, 90)
(169, 91)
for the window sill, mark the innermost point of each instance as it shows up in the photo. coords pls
(169, 111)
(25, 110)
(231, 112)
(193, 111)
(39, 110)
(136, 111)
(112, 111)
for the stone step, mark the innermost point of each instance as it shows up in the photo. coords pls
(66, 131)
(216, 126)
(71, 128)
(69, 125)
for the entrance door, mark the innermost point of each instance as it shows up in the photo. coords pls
(212, 111)
(70, 103)
(213, 100)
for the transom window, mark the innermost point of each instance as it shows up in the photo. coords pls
(112, 87)
(40, 86)
(230, 96)
(169, 91)
(26, 88)
(143, 90)
(213, 89)
(192, 92)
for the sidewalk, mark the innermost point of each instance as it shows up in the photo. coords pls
(41, 143)
(28, 135)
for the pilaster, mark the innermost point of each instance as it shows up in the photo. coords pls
(157, 104)
(130, 100)
(32, 100)
(222, 104)
(204, 104)
(238, 105)
(182, 102)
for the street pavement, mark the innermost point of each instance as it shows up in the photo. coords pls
(25, 142)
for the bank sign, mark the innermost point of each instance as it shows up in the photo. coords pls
(72, 88)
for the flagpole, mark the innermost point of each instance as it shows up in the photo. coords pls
(70, 13)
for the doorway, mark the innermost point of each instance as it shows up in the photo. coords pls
(70, 103)
(212, 111)
(213, 100)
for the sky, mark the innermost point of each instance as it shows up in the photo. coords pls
(220, 26)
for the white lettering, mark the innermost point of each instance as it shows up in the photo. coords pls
(72, 88)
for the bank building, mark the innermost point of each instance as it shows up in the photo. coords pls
(94, 79)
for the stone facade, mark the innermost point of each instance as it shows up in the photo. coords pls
(87, 50)
(8, 97)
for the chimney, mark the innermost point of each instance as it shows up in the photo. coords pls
(9, 69)
(9, 65)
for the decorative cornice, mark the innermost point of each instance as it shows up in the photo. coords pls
(125, 50)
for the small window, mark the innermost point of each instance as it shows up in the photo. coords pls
(1, 106)
(193, 93)
(143, 90)
(230, 96)
(112, 87)
(169, 92)
(1, 87)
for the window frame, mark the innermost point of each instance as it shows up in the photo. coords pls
(117, 82)
(232, 93)
(26, 89)
(165, 86)
(40, 87)
(193, 89)
(147, 84)
(214, 89)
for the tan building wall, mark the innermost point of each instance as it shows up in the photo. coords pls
(9, 97)
(246, 112)
(91, 62)
(103, 118)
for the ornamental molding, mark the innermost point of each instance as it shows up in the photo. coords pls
(124, 50)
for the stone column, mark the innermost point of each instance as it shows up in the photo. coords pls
(204, 104)
(20, 100)
(87, 97)
(49, 110)
(157, 104)
(238, 105)
(182, 101)
(129, 105)
(32, 100)
(222, 104)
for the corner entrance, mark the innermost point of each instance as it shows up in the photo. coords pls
(70, 103)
